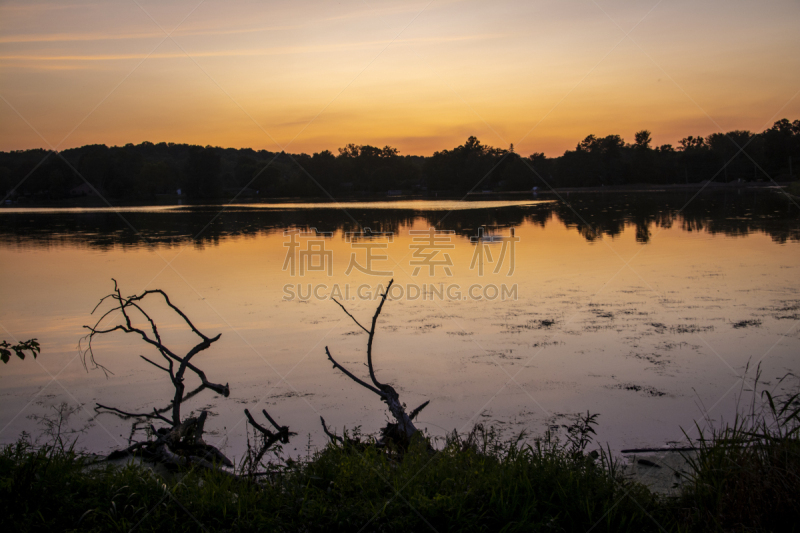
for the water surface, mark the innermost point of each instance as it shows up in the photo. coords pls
(645, 308)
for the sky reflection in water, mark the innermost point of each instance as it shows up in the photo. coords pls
(628, 305)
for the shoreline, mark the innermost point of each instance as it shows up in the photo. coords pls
(172, 200)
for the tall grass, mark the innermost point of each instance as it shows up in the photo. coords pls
(745, 475)
(477, 482)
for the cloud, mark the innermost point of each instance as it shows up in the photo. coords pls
(90, 37)
(283, 50)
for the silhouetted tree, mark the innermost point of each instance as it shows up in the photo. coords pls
(642, 139)
(693, 143)
(782, 147)
(203, 173)
(145, 170)
(731, 150)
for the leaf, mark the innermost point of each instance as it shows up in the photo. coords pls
(31, 345)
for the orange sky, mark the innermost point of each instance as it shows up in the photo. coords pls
(418, 75)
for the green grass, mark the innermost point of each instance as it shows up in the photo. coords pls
(482, 484)
(746, 474)
(744, 477)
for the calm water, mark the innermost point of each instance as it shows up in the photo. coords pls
(644, 308)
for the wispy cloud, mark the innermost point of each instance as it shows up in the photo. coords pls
(41, 65)
(90, 37)
(188, 31)
(282, 50)
(34, 7)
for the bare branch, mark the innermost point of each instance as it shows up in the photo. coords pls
(351, 316)
(350, 375)
(255, 424)
(416, 411)
(103, 299)
(165, 369)
(221, 389)
(269, 438)
(154, 414)
(372, 336)
(152, 323)
(272, 421)
(174, 308)
(186, 396)
(183, 441)
(283, 433)
(402, 431)
(330, 435)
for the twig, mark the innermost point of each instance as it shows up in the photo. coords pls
(165, 369)
(269, 438)
(154, 414)
(350, 375)
(255, 424)
(372, 336)
(416, 411)
(351, 316)
(330, 435)
(272, 421)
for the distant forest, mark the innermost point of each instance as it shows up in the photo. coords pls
(148, 171)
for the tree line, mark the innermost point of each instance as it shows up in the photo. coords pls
(146, 171)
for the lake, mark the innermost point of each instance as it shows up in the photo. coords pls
(643, 307)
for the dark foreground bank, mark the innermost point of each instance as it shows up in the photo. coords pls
(742, 478)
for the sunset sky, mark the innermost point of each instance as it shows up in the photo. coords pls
(418, 75)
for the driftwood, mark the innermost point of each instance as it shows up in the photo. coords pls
(153, 337)
(180, 445)
(403, 429)
(181, 442)
(268, 438)
(662, 449)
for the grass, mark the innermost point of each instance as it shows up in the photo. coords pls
(745, 476)
(476, 483)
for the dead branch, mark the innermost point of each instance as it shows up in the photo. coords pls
(182, 442)
(416, 411)
(182, 445)
(351, 316)
(123, 305)
(167, 370)
(154, 414)
(354, 442)
(334, 437)
(350, 375)
(404, 429)
(268, 437)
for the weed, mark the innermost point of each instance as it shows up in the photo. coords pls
(474, 482)
(745, 475)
